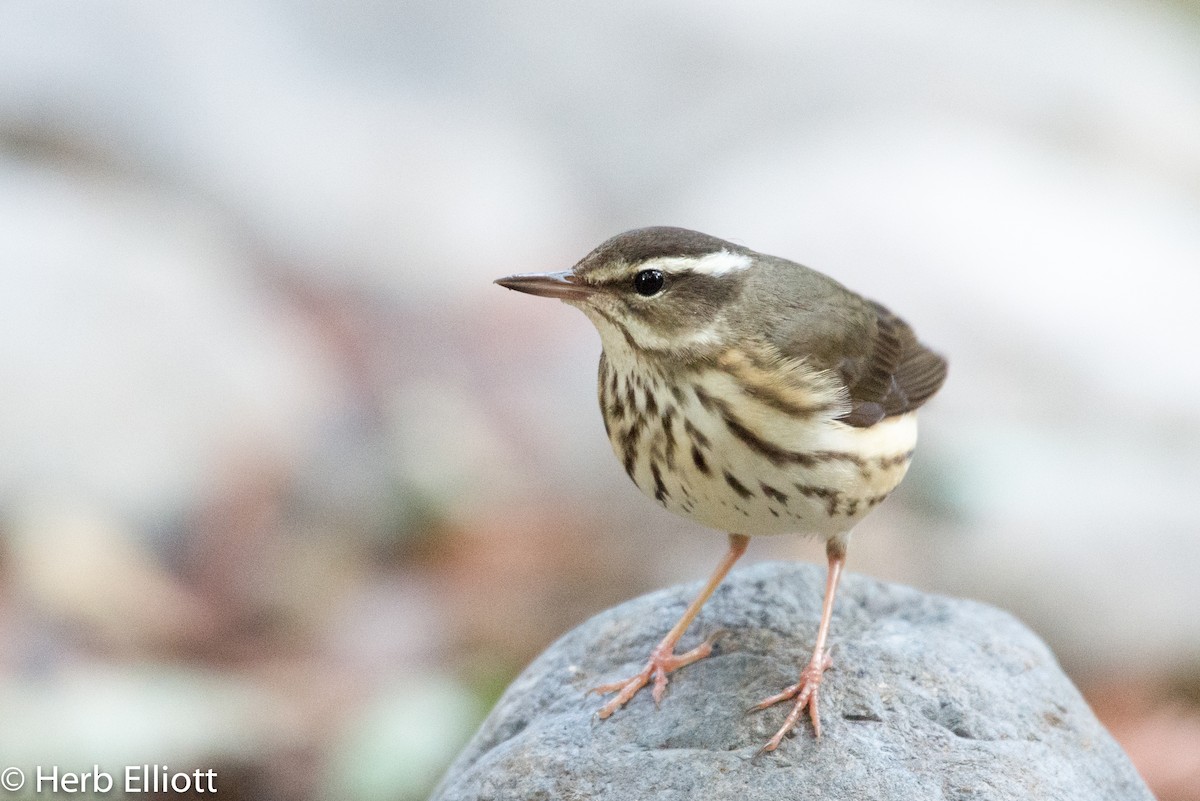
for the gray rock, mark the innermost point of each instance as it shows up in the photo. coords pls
(928, 698)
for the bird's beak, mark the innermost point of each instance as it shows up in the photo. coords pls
(564, 285)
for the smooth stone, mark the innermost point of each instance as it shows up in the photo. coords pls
(928, 698)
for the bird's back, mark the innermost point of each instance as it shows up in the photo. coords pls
(885, 369)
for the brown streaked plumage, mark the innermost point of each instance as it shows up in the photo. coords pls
(752, 395)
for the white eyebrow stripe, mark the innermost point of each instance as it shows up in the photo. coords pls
(720, 263)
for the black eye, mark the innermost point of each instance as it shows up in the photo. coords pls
(648, 282)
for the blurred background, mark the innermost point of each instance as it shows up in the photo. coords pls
(290, 490)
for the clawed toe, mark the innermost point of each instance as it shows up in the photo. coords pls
(663, 661)
(806, 693)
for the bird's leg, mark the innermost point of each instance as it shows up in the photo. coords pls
(663, 659)
(805, 691)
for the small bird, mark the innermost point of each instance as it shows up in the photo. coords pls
(752, 395)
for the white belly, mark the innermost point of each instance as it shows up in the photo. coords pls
(709, 453)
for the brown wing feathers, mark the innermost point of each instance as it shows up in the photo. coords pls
(898, 375)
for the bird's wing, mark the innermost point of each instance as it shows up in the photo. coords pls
(896, 374)
(871, 353)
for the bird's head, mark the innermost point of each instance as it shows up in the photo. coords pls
(656, 290)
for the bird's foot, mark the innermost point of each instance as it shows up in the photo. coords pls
(805, 691)
(662, 661)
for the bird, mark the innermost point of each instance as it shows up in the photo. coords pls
(752, 395)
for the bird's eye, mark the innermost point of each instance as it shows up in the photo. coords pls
(648, 282)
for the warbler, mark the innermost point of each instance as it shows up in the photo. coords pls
(752, 395)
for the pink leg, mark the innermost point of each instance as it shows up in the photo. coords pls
(663, 659)
(805, 691)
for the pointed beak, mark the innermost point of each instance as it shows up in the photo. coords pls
(564, 285)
